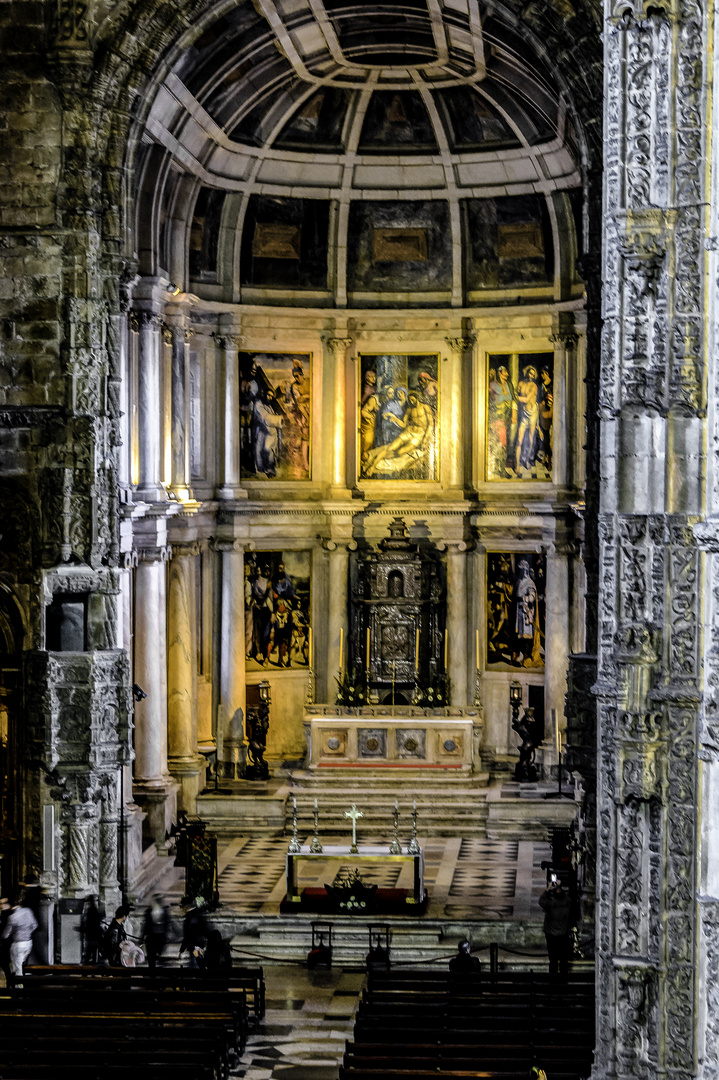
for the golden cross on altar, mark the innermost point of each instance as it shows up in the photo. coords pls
(355, 814)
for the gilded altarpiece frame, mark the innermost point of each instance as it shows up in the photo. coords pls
(398, 416)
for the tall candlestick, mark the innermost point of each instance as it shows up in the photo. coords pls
(309, 649)
(342, 647)
(445, 650)
(367, 649)
(476, 639)
(416, 648)
(557, 743)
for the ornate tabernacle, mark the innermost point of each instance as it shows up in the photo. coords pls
(398, 620)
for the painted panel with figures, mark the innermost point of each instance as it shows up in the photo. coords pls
(275, 415)
(520, 415)
(516, 599)
(399, 417)
(277, 609)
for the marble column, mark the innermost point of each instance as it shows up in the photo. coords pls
(229, 340)
(149, 409)
(180, 387)
(565, 400)
(152, 788)
(556, 646)
(457, 659)
(339, 347)
(338, 613)
(183, 759)
(458, 383)
(232, 656)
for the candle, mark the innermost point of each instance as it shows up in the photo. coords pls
(342, 645)
(416, 648)
(396, 804)
(477, 646)
(367, 650)
(309, 651)
(557, 742)
(445, 650)
(294, 802)
(315, 802)
(414, 804)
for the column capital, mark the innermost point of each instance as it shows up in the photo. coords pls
(453, 547)
(160, 554)
(233, 545)
(460, 345)
(229, 341)
(332, 545)
(565, 339)
(187, 548)
(340, 344)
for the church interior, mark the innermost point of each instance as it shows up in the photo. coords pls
(358, 494)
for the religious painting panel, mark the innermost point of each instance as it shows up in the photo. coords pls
(277, 610)
(399, 416)
(275, 415)
(516, 610)
(520, 416)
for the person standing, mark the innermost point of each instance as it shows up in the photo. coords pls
(114, 937)
(556, 903)
(156, 929)
(463, 962)
(20, 926)
(91, 927)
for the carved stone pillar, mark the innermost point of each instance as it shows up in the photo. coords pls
(453, 450)
(149, 409)
(232, 657)
(182, 756)
(651, 402)
(457, 656)
(339, 347)
(229, 341)
(153, 789)
(109, 842)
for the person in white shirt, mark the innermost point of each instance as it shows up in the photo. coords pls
(19, 928)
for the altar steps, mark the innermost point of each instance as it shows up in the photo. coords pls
(455, 806)
(279, 940)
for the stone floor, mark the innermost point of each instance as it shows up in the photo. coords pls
(466, 879)
(309, 1017)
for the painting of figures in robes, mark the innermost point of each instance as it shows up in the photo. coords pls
(277, 610)
(516, 598)
(399, 417)
(275, 415)
(520, 415)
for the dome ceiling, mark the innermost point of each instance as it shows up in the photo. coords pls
(290, 119)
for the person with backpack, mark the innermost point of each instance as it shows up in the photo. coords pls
(114, 936)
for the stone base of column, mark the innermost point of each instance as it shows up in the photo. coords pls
(154, 493)
(235, 760)
(190, 776)
(133, 819)
(158, 799)
(231, 494)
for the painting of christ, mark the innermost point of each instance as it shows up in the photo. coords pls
(398, 427)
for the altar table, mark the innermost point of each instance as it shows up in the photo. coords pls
(308, 868)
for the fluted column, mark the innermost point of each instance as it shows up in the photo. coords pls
(338, 618)
(180, 387)
(339, 347)
(149, 409)
(152, 788)
(565, 401)
(183, 760)
(232, 656)
(456, 618)
(229, 341)
(556, 642)
(453, 450)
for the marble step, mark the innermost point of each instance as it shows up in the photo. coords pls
(396, 780)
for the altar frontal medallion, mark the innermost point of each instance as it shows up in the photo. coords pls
(398, 423)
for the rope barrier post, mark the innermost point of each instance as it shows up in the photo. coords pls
(494, 958)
